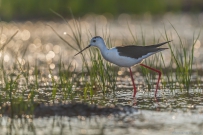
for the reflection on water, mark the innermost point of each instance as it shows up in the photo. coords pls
(143, 122)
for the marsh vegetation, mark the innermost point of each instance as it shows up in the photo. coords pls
(38, 68)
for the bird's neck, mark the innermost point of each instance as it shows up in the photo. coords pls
(104, 51)
(103, 48)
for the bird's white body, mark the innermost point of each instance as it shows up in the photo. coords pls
(112, 55)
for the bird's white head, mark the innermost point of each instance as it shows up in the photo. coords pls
(95, 41)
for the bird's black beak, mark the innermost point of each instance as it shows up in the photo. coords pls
(83, 50)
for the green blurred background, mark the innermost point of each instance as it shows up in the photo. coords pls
(40, 9)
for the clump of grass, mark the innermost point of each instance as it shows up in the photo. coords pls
(66, 80)
(100, 73)
(183, 58)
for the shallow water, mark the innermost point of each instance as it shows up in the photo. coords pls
(141, 122)
(171, 114)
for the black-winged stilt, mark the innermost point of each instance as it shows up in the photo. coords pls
(127, 56)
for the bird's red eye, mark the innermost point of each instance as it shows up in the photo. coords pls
(94, 40)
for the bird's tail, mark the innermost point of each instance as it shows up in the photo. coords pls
(160, 44)
(161, 49)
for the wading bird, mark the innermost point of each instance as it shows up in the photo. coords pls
(127, 56)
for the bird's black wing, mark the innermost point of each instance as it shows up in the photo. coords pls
(139, 51)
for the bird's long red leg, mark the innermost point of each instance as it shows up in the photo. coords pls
(133, 82)
(159, 72)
